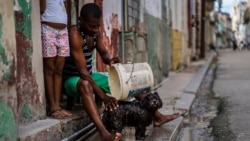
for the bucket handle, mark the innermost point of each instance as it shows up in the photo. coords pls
(131, 73)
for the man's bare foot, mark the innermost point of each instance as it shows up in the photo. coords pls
(161, 119)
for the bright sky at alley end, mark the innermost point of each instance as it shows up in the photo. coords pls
(226, 6)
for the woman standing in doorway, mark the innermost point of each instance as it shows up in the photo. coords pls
(55, 47)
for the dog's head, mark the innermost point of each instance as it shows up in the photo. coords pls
(152, 102)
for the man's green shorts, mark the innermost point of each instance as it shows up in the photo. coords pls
(101, 79)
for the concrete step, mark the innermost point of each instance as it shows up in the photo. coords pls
(53, 129)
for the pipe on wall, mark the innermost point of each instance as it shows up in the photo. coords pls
(122, 25)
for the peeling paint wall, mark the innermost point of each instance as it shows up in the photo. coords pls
(8, 98)
(158, 38)
(22, 98)
(8, 126)
(110, 28)
(30, 94)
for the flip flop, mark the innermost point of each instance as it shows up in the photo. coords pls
(67, 113)
(57, 114)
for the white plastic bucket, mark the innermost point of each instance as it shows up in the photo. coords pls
(129, 80)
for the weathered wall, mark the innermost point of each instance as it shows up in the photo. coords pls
(8, 57)
(177, 34)
(176, 49)
(110, 28)
(186, 51)
(158, 39)
(21, 73)
(29, 81)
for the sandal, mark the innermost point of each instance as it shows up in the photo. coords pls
(66, 113)
(57, 114)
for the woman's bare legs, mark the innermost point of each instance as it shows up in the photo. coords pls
(53, 82)
(48, 65)
(59, 64)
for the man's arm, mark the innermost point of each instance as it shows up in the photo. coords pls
(79, 59)
(103, 52)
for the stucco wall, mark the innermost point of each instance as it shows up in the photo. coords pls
(29, 82)
(8, 98)
(21, 71)
(159, 44)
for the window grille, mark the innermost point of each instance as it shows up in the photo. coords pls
(131, 15)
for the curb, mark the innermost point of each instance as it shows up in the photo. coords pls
(186, 99)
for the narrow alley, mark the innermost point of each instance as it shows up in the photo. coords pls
(197, 53)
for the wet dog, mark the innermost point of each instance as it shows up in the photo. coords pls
(138, 114)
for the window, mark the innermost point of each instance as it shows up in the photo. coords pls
(131, 15)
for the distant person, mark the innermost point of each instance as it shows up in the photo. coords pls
(55, 47)
(243, 45)
(234, 41)
(212, 47)
(78, 80)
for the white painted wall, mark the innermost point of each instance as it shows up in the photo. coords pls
(237, 20)
(185, 38)
(111, 7)
(154, 8)
(176, 7)
(168, 14)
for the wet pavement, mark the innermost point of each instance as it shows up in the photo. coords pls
(232, 86)
(196, 125)
(220, 111)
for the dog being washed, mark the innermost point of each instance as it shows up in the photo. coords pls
(136, 114)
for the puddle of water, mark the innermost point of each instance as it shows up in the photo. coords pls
(190, 134)
(203, 110)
